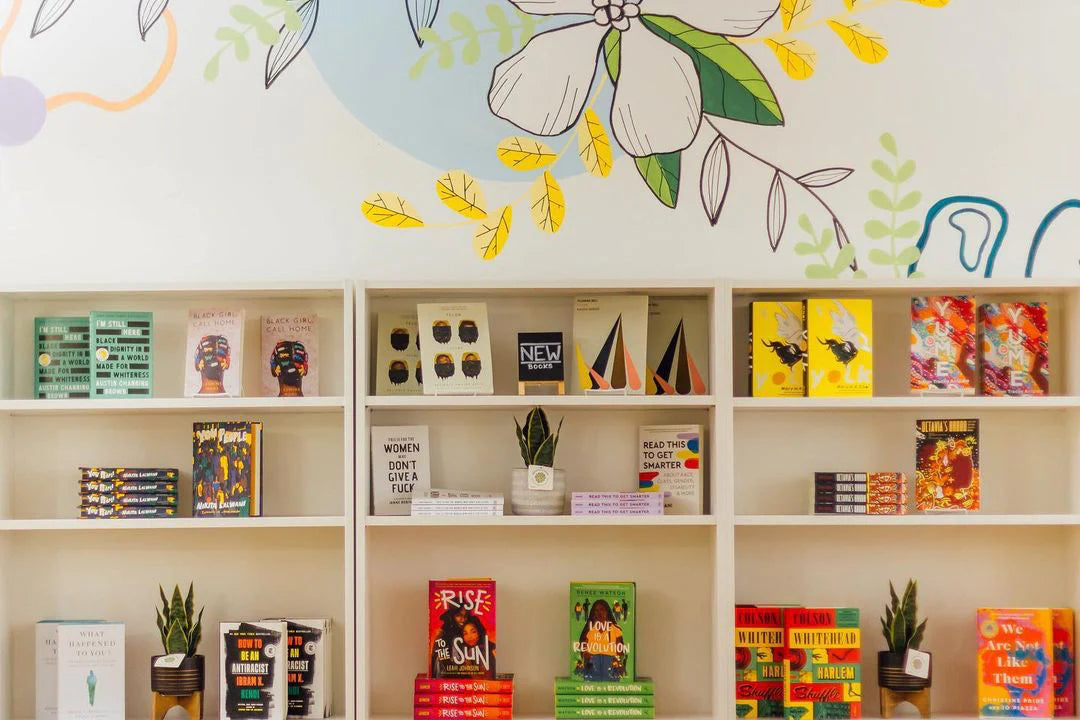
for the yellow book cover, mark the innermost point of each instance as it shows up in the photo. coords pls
(778, 349)
(840, 353)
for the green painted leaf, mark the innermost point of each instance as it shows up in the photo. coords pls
(732, 86)
(805, 224)
(293, 21)
(661, 173)
(859, 275)
(906, 171)
(819, 272)
(883, 170)
(844, 258)
(471, 52)
(876, 229)
(446, 55)
(528, 27)
(613, 53)
(498, 18)
(889, 143)
(919, 275)
(264, 31)
(805, 248)
(429, 35)
(881, 200)
(880, 257)
(461, 23)
(417, 68)
(828, 237)
(909, 229)
(909, 201)
(210, 72)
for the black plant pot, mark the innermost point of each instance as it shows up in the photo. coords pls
(181, 681)
(891, 674)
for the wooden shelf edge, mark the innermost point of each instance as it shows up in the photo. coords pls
(407, 521)
(958, 520)
(325, 404)
(79, 525)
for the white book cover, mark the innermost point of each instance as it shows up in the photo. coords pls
(669, 461)
(398, 369)
(400, 467)
(90, 671)
(678, 346)
(290, 355)
(610, 335)
(309, 667)
(45, 669)
(214, 353)
(254, 670)
(455, 348)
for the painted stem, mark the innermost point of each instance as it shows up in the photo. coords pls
(247, 28)
(892, 229)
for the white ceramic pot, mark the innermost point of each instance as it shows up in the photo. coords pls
(524, 501)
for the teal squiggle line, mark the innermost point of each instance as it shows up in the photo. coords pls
(939, 207)
(1044, 226)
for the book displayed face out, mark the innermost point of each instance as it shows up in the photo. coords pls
(398, 370)
(610, 337)
(290, 355)
(461, 628)
(603, 641)
(254, 670)
(455, 348)
(215, 353)
(678, 346)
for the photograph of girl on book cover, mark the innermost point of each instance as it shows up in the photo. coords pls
(600, 645)
(462, 648)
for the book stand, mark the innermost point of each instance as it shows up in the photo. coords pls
(891, 698)
(162, 704)
(541, 387)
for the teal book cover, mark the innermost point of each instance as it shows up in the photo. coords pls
(122, 363)
(62, 358)
(603, 645)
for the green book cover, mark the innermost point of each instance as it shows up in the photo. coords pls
(602, 639)
(122, 364)
(568, 713)
(573, 686)
(62, 365)
(603, 700)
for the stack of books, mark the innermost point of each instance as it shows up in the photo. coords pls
(492, 699)
(126, 493)
(617, 503)
(456, 502)
(586, 699)
(860, 493)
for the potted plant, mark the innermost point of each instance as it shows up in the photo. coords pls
(180, 633)
(537, 444)
(903, 632)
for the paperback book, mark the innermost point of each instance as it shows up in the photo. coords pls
(461, 628)
(290, 355)
(253, 674)
(462, 713)
(122, 362)
(616, 503)
(397, 355)
(840, 348)
(308, 682)
(1015, 354)
(215, 353)
(501, 683)
(943, 344)
(126, 512)
(62, 351)
(45, 671)
(759, 662)
(822, 663)
(457, 502)
(669, 462)
(610, 339)
(227, 469)
(778, 349)
(455, 348)
(400, 467)
(441, 700)
(616, 700)
(1064, 638)
(577, 686)
(677, 350)
(1015, 662)
(603, 643)
(90, 671)
(947, 465)
(604, 713)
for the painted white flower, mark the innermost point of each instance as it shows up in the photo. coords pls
(657, 106)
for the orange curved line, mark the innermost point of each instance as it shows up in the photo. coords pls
(127, 103)
(9, 22)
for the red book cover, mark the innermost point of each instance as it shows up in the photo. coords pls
(759, 666)
(1064, 663)
(1015, 358)
(438, 712)
(503, 683)
(464, 699)
(461, 628)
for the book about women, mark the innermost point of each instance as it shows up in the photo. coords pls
(669, 462)
(603, 642)
(461, 628)
(678, 346)
(62, 357)
(947, 465)
(759, 662)
(226, 469)
(840, 352)
(290, 355)
(254, 677)
(610, 341)
(778, 349)
(400, 467)
(214, 353)
(943, 344)
(1015, 662)
(822, 663)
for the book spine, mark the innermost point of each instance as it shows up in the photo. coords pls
(571, 713)
(118, 512)
(564, 700)
(127, 499)
(456, 513)
(129, 473)
(570, 686)
(613, 512)
(458, 699)
(448, 685)
(439, 712)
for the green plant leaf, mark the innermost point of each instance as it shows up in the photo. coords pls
(196, 635)
(555, 443)
(176, 640)
(805, 224)
(918, 275)
(522, 443)
(528, 28)
(819, 272)
(613, 53)
(545, 453)
(859, 275)
(885, 633)
(884, 171)
(417, 68)
(909, 201)
(909, 229)
(498, 18)
(881, 200)
(909, 606)
(535, 430)
(189, 605)
(293, 21)
(828, 237)
(445, 55)
(917, 636)
(161, 629)
(241, 48)
(176, 607)
(908, 255)
(429, 35)
(876, 229)
(732, 86)
(889, 143)
(164, 601)
(904, 173)
(805, 248)
(471, 52)
(844, 258)
(264, 31)
(661, 173)
(461, 23)
(880, 257)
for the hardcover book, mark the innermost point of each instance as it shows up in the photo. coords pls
(1064, 663)
(1015, 357)
(943, 344)
(226, 469)
(122, 362)
(214, 364)
(397, 355)
(677, 349)
(455, 348)
(577, 686)
(290, 355)
(1015, 659)
(502, 683)
(461, 628)
(759, 662)
(400, 467)
(778, 349)
(603, 643)
(253, 670)
(840, 355)
(90, 671)
(308, 681)
(62, 349)
(610, 338)
(947, 465)
(669, 462)
(822, 663)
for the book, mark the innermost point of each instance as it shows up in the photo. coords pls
(62, 350)
(126, 512)
(127, 486)
(669, 462)
(947, 465)
(463, 699)
(502, 683)
(1015, 662)
(603, 642)
(226, 472)
(1015, 353)
(576, 686)
(677, 346)
(214, 354)
(616, 503)
(254, 680)
(617, 700)
(778, 349)
(759, 662)
(45, 678)
(1064, 639)
(126, 474)
(610, 339)
(461, 628)
(563, 712)
(455, 348)
(308, 681)
(840, 355)
(462, 713)
(290, 355)
(120, 498)
(397, 355)
(943, 344)
(122, 359)
(822, 663)
(400, 467)
(90, 671)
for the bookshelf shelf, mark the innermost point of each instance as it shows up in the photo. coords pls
(158, 406)
(195, 524)
(406, 521)
(517, 402)
(922, 404)
(925, 521)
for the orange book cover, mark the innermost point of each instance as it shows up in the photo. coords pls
(1015, 659)
(1064, 663)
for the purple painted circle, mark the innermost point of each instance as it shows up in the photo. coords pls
(22, 110)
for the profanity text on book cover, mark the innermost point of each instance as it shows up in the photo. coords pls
(227, 469)
(822, 663)
(253, 670)
(603, 643)
(1015, 359)
(778, 349)
(947, 465)
(1015, 651)
(943, 344)
(759, 662)
(1064, 663)
(461, 628)
(840, 353)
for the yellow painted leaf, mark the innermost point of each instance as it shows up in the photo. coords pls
(491, 236)
(931, 3)
(850, 4)
(796, 57)
(548, 203)
(460, 192)
(594, 147)
(861, 41)
(794, 11)
(524, 154)
(390, 210)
